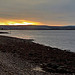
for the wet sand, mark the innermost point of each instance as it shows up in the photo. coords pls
(24, 57)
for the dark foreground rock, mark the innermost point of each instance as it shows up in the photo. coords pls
(50, 59)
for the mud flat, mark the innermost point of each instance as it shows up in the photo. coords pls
(24, 57)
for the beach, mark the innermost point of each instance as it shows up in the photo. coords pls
(25, 57)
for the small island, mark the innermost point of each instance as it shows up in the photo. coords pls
(3, 32)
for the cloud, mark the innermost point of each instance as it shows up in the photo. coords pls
(46, 11)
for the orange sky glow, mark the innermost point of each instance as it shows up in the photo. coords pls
(18, 22)
(23, 22)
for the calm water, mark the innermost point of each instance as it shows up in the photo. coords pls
(63, 39)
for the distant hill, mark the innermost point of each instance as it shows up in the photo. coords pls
(35, 27)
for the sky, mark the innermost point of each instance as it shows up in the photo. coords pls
(45, 12)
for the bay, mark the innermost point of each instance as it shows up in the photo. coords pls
(63, 39)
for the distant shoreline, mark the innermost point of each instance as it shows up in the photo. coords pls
(35, 27)
(50, 59)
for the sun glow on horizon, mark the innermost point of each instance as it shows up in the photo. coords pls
(18, 22)
(22, 22)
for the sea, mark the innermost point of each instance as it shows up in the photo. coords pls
(62, 39)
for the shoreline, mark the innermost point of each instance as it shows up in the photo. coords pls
(51, 60)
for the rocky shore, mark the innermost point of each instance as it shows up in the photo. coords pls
(24, 57)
